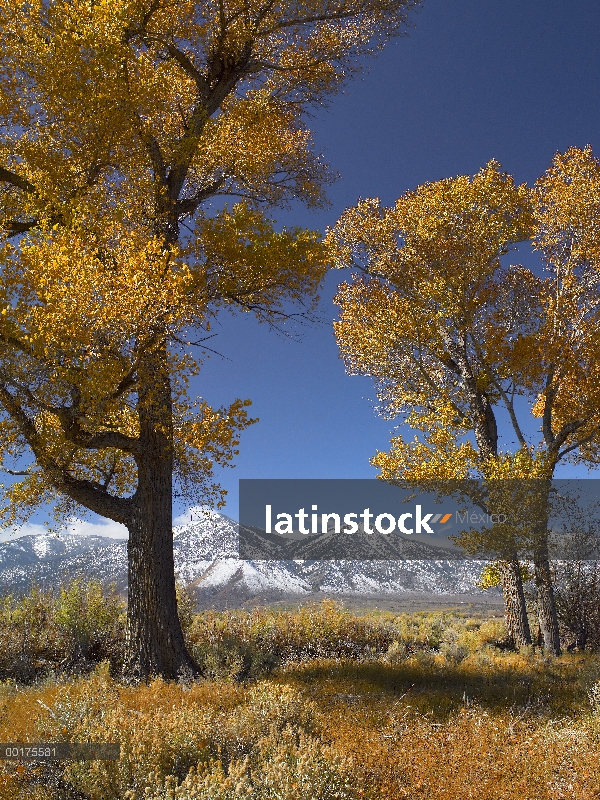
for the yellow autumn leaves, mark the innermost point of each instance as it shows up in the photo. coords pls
(106, 99)
(441, 323)
(80, 308)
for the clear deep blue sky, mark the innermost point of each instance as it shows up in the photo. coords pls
(474, 80)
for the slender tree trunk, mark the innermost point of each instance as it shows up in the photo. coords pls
(155, 642)
(548, 617)
(515, 609)
(486, 436)
(503, 537)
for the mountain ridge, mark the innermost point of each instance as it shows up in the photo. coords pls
(206, 559)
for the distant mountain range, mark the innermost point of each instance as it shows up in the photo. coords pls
(206, 558)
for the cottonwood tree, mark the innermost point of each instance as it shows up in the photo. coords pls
(450, 335)
(121, 121)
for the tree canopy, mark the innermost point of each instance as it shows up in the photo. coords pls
(451, 334)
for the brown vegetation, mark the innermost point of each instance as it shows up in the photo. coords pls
(421, 706)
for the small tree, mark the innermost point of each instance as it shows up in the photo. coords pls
(121, 120)
(449, 335)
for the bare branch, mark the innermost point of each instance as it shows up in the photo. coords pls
(23, 472)
(199, 343)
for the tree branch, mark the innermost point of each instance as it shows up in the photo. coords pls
(110, 474)
(153, 149)
(226, 76)
(188, 205)
(567, 429)
(85, 492)
(70, 421)
(19, 472)
(93, 496)
(16, 228)
(7, 176)
(71, 427)
(578, 443)
(509, 404)
(189, 68)
(301, 21)
(550, 393)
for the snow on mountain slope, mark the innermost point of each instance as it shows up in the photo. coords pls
(206, 553)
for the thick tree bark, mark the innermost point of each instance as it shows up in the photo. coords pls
(515, 610)
(155, 642)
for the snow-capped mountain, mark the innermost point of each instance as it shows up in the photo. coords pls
(206, 557)
(50, 560)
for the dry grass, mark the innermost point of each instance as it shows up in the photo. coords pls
(510, 727)
(431, 710)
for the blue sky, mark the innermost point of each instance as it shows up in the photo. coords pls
(474, 80)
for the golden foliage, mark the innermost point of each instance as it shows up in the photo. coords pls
(428, 263)
(121, 120)
(118, 90)
(448, 333)
(441, 452)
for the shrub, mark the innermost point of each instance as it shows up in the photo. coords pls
(91, 622)
(72, 631)
(29, 637)
(166, 729)
(578, 603)
(290, 767)
(433, 726)
(83, 624)
(238, 645)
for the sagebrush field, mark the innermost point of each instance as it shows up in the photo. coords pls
(313, 704)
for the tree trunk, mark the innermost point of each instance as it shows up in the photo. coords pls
(515, 609)
(155, 642)
(504, 544)
(548, 617)
(539, 508)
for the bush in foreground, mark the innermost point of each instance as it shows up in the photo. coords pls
(65, 632)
